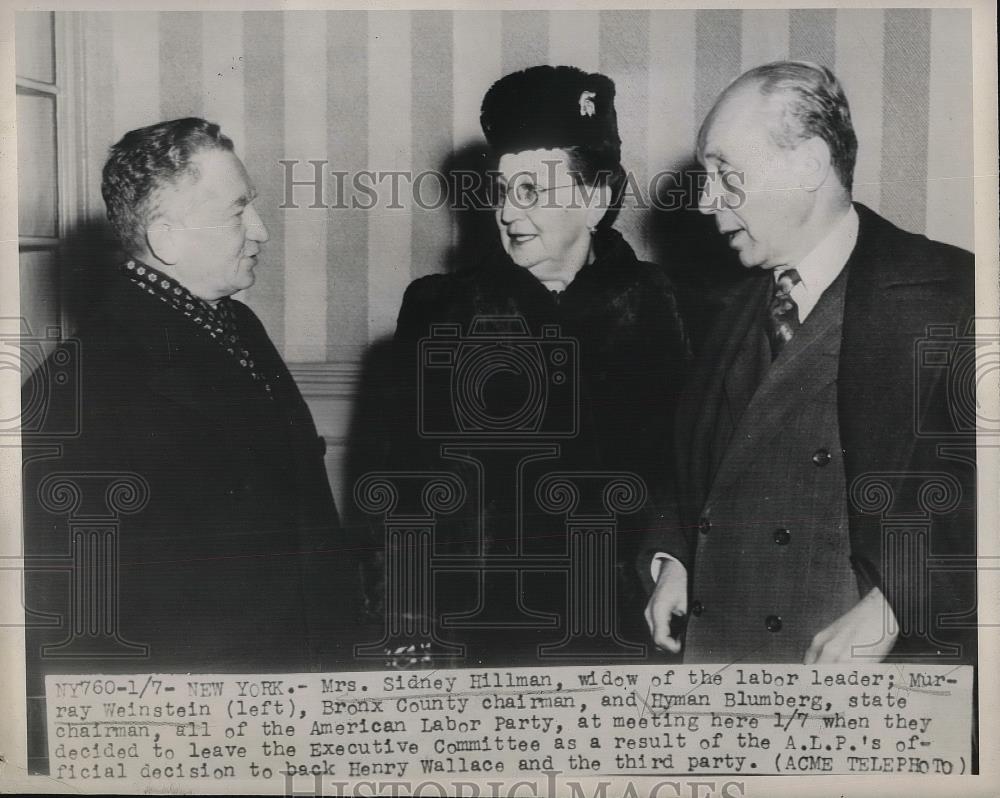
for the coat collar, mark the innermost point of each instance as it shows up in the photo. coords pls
(806, 366)
(725, 380)
(181, 362)
(899, 284)
(746, 357)
(880, 256)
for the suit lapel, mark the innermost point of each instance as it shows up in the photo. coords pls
(711, 409)
(747, 369)
(806, 365)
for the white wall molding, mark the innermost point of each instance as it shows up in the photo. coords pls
(329, 390)
(333, 380)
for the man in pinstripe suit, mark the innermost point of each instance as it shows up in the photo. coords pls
(804, 395)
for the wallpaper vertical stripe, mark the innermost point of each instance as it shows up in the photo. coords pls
(905, 92)
(717, 56)
(624, 48)
(860, 58)
(671, 118)
(950, 131)
(765, 36)
(222, 73)
(390, 222)
(433, 98)
(136, 59)
(305, 120)
(478, 38)
(812, 36)
(524, 40)
(347, 149)
(575, 38)
(181, 90)
(101, 130)
(264, 83)
(400, 90)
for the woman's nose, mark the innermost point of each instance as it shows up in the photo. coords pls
(509, 211)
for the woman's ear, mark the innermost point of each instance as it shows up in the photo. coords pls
(161, 241)
(599, 200)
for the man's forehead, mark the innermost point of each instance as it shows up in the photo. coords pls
(220, 176)
(742, 114)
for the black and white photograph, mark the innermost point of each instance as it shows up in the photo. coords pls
(410, 399)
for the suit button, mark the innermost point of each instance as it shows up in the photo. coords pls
(697, 608)
(782, 537)
(704, 526)
(773, 623)
(822, 457)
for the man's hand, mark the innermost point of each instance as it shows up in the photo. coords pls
(669, 599)
(870, 623)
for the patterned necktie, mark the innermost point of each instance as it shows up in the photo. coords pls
(783, 313)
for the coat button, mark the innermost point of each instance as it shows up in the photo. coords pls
(822, 457)
(782, 537)
(697, 608)
(773, 623)
(704, 526)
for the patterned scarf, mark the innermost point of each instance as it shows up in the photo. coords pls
(218, 322)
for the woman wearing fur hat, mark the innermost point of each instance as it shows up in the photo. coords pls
(603, 405)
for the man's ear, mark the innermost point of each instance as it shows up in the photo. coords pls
(600, 200)
(162, 241)
(813, 163)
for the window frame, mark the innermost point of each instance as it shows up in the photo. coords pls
(67, 92)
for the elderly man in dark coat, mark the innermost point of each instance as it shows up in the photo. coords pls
(825, 469)
(221, 548)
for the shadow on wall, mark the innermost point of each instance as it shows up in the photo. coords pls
(378, 414)
(372, 428)
(697, 259)
(470, 198)
(89, 255)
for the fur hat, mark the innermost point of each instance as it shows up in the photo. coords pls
(548, 107)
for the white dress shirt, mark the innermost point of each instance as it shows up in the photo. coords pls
(817, 270)
(821, 266)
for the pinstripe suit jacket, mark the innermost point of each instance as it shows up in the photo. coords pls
(905, 425)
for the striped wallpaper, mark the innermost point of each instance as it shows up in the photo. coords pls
(397, 90)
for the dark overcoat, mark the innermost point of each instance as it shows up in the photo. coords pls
(235, 560)
(906, 449)
(631, 355)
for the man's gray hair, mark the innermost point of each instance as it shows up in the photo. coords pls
(146, 160)
(814, 104)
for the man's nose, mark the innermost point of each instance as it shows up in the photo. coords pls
(707, 198)
(256, 229)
